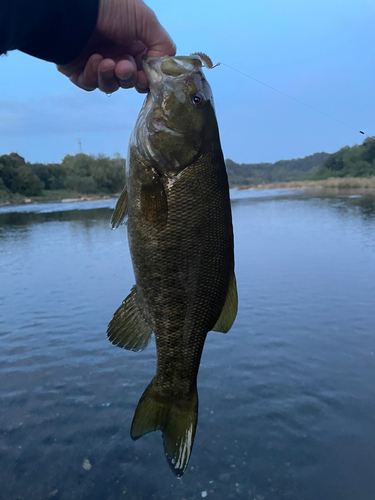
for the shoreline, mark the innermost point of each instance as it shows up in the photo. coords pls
(37, 200)
(338, 183)
(365, 184)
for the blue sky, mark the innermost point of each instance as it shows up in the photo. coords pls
(320, 52)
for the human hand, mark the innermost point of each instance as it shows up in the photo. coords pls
(125, 30)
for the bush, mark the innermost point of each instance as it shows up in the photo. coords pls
(18, 177)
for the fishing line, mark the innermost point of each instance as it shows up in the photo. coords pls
(297, 100)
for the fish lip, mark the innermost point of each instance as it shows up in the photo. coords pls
(152, 67)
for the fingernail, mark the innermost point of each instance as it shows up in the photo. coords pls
(109, 67)
(143, 86)
(124, 77)
(142, 89)
(108, 72)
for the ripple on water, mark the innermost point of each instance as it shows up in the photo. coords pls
(286, 397)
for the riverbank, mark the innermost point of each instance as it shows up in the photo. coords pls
(365, 183)
(62, 196)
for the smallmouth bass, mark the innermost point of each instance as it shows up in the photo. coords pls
(176, 203)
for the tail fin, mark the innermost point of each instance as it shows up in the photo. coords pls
(176, 419)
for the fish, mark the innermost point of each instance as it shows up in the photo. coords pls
(177, 210)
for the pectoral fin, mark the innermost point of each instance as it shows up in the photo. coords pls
(121, 210)
(229, 312)
(153, 199)
(129, 328)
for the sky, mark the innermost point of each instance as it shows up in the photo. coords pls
(321, 52)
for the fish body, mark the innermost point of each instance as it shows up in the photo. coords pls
(181, 243)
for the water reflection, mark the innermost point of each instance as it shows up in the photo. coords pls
(27, 218)
(346, 201)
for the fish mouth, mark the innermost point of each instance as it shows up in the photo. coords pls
(160, 72)
(157, 68)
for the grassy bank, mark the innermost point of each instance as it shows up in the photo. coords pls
(367, 183)
(51, 196)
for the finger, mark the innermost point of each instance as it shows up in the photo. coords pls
(107, 81)
(154, 36)
(138, 60)
(88, 79)
(74, 78)
(142, 83)
(138, 48)
(126, 72)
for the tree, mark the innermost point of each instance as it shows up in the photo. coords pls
(53, 175)
(17, 177)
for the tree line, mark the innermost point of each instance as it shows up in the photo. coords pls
(81, 173)
(356, 161)
(88, 174)
(250, 174)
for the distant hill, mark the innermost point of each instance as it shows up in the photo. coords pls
(357, 161)
(247, 174)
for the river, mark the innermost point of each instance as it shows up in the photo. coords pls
(287, 397)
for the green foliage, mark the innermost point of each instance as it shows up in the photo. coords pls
(87, 174)
(17, 176)
(8, 171)
(2, 186)
(80, 184)
(357, 161)
(53, 175)
(81, 173)
(26, 182)
(266, 173)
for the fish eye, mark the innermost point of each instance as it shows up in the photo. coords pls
(198, 100)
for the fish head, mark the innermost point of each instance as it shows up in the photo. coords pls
(178, 119)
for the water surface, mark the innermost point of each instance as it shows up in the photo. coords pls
(287, 397)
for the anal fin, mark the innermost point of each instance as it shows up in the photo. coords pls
(229, 311)
(129, 327)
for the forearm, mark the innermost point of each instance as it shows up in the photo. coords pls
(53, 30)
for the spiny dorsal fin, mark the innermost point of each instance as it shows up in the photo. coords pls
(129, 328)
(229, 312)
(121, 210)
